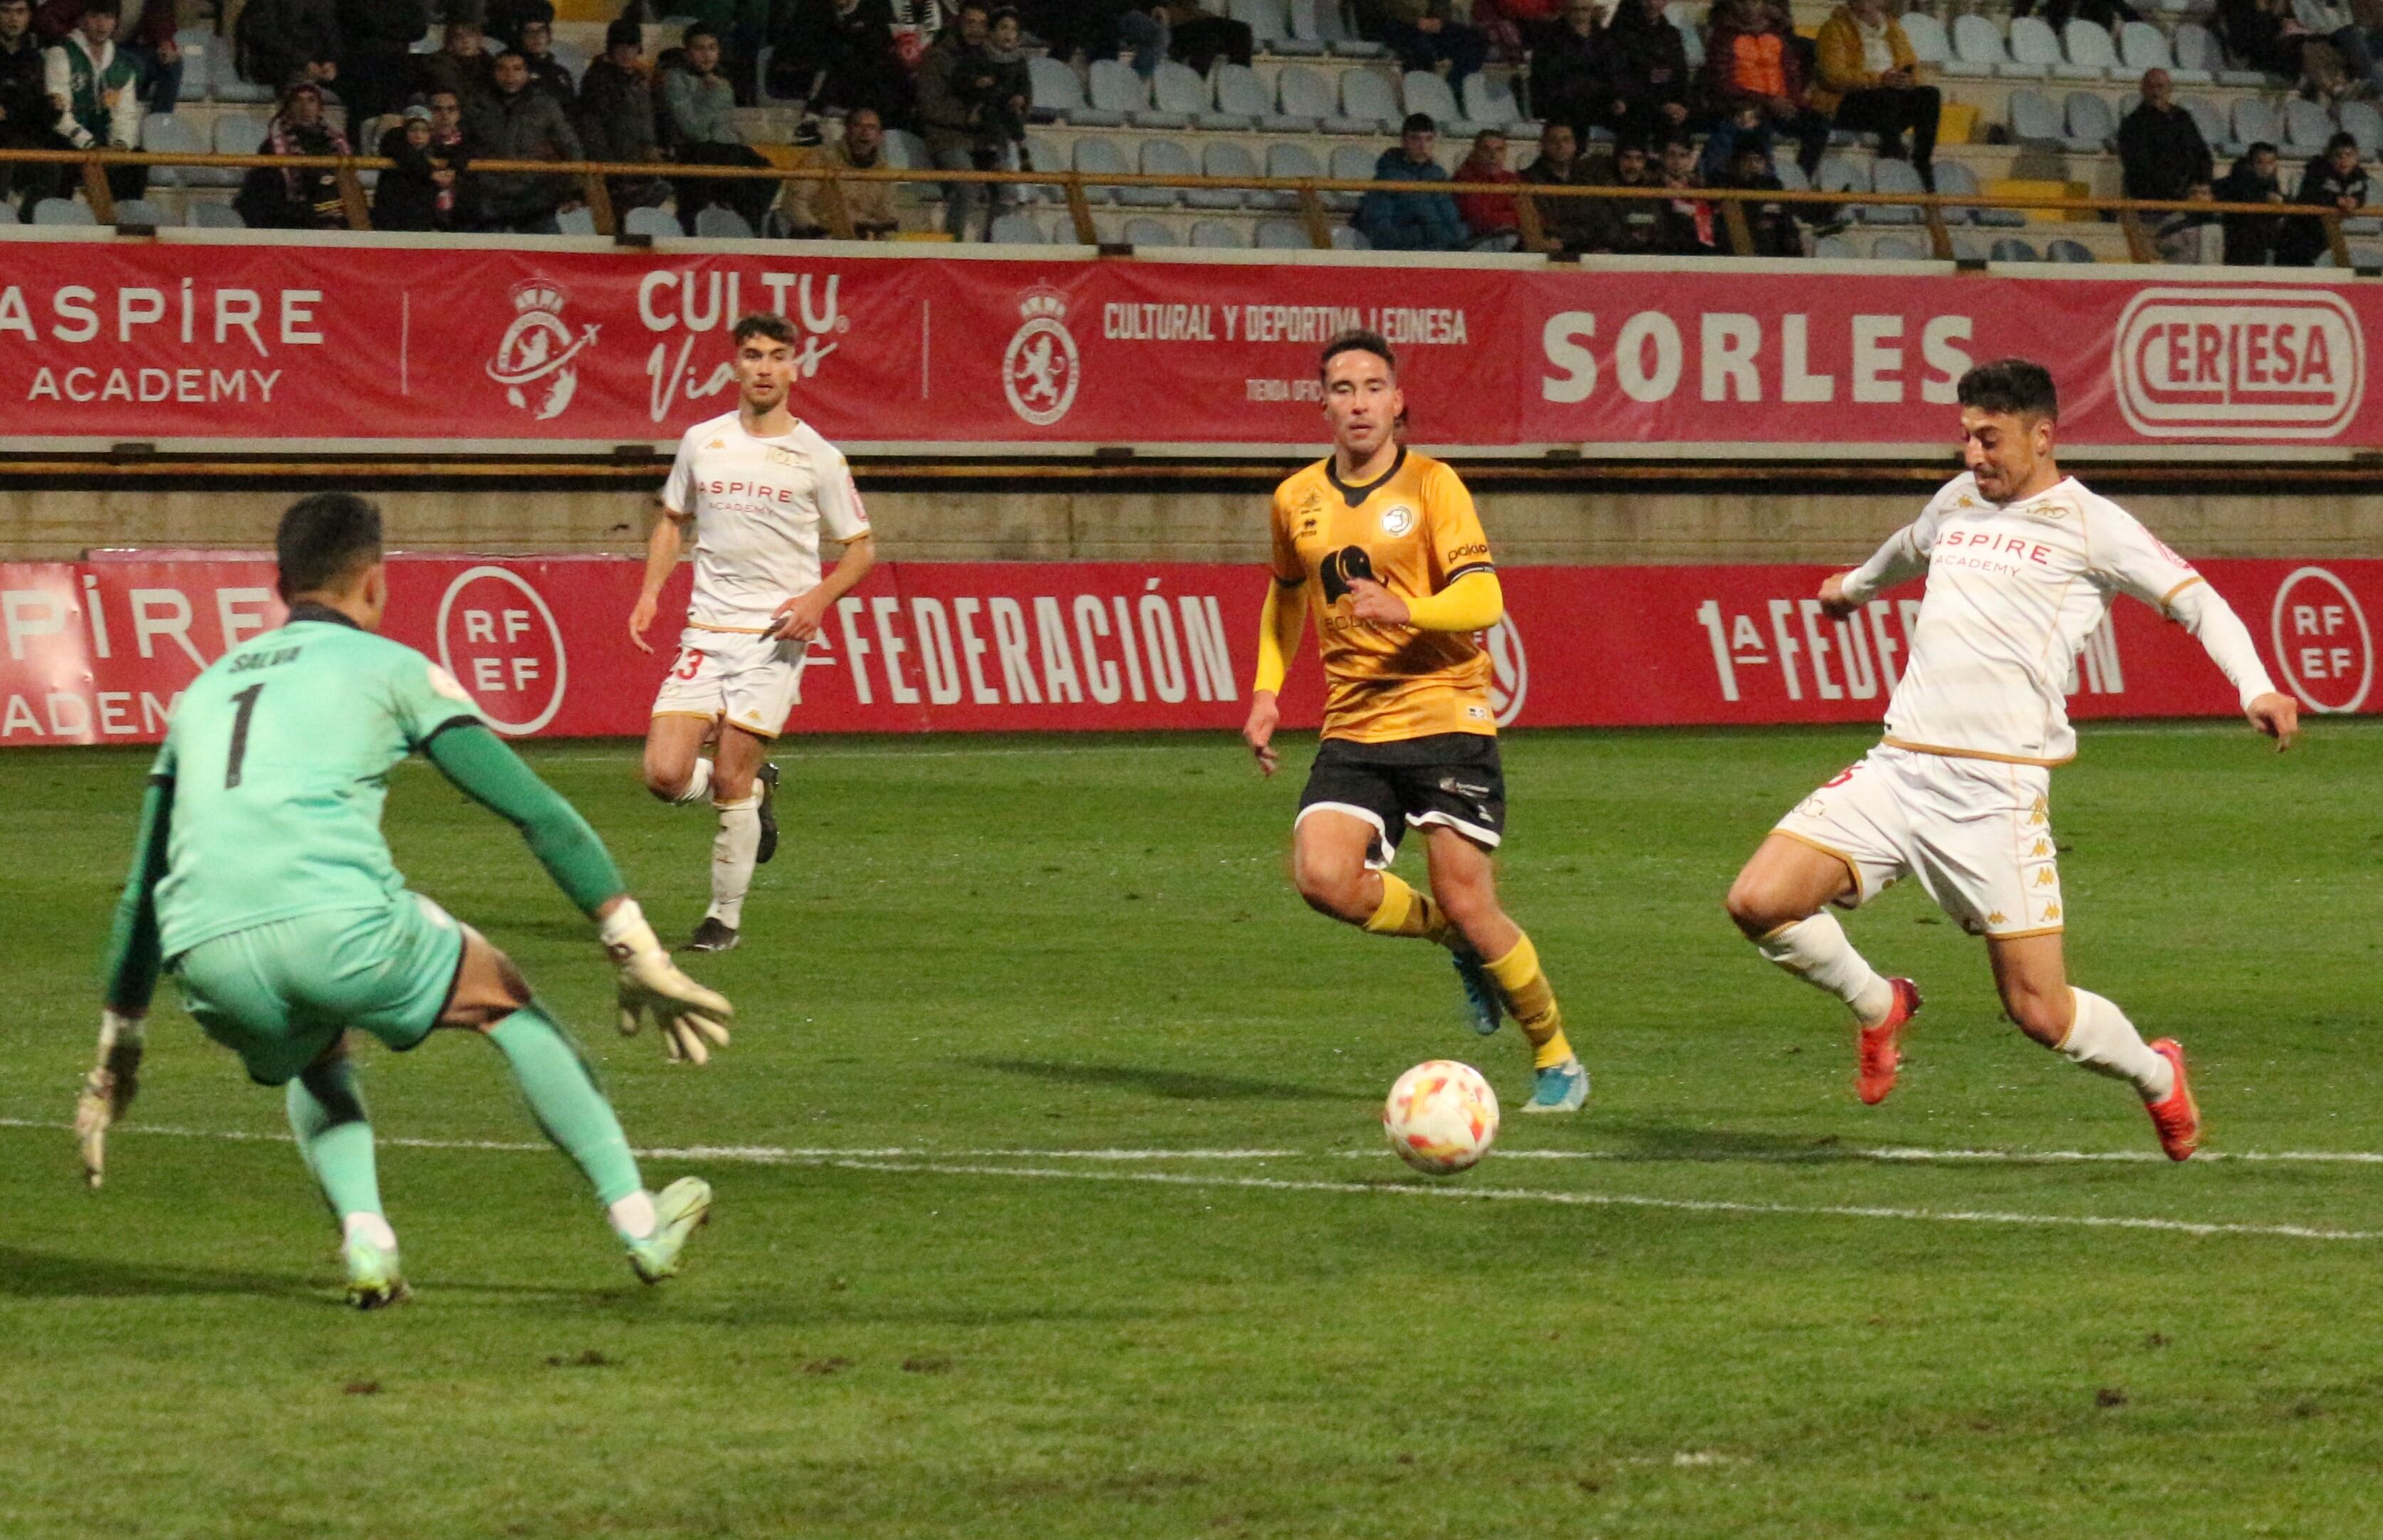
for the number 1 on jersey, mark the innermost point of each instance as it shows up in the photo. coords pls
(244, 706)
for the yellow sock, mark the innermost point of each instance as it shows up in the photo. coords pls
(1404, 912)
(1532, 1002)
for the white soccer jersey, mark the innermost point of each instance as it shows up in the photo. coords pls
(2013, 592)
(759, 506)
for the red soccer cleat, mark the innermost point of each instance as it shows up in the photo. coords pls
(1879, 1058)
(2175, 1116)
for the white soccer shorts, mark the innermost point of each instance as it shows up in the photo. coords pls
(1976, 832)
(752, 681)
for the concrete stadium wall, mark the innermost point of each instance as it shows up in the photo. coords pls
(1532, 522)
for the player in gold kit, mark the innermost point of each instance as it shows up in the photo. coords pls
(1383, 545)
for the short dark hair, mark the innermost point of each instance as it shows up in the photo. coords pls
(762, 323)
(1419, 123)
(2258, 148)
(2020, 387)
(504, 54)
(699, 29)
(966, 6)
(1358, 342)
(2341, 142)
(324, 539)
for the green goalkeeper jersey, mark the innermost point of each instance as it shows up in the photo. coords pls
(279, 759)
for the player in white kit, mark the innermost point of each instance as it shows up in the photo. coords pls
(2023, 563)
(760, 489)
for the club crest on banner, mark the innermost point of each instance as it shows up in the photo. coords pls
(1041, 370)
(536, 358)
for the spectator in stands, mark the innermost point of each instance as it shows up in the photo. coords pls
(1691, 225)
(615, 115)
(92, 86)
(917, 23)
(2193, 239)
(1426, 35)
(2268, 35)
(462, 66)
(872, 208)
(738, 27)
(509, 21)
(516, 121)
(1567, 224)
(960, 136)
(1630, 226)
(1868, 83)
(298, 197)
(2161, 153)
(1411, 221)
(1770, 226)
(1510, 25)
(1490, 219)
(27, 116)
(376, 68)
(1006, 89)
(1647, 73)
(702, 107)
(2108, 13)
(1752, 63)
(2334, 179)
(1567, 75)
(276, 41)
(1199, 37)
(2251, 239)
(145, 31)
(837, 53)
(547, 73)
(422, 192)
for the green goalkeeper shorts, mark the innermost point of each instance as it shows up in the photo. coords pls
(279, 995)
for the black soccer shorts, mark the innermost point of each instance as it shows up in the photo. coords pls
(1448, 778)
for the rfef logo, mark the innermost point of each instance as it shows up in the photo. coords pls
(498, 637)
(2275, 362)
(2321, 640)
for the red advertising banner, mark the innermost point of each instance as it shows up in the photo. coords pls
(97, 652)
(182, 341)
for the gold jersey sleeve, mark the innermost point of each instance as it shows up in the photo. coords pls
(1414, 531)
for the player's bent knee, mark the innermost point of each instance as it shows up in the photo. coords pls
(1756, 908)
(1334, 888)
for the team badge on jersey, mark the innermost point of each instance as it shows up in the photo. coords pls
(1398, 519)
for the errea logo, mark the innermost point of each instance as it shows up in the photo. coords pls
(2273, 362)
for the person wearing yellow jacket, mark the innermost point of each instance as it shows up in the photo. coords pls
(1868, 82)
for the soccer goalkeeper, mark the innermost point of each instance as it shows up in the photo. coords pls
(262, 880)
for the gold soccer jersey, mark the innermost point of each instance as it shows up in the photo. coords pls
(1414, 532)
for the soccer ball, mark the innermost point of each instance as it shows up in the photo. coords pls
(1442, 1116)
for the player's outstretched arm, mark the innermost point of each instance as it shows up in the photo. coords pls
(483, 767)
(662, 555)
(2204, 611)
(128, 978)
(1282, 618)
(1902, 557)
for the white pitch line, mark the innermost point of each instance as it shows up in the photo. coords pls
(902, 1162)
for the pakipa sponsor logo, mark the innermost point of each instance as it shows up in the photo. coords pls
(2276, 363)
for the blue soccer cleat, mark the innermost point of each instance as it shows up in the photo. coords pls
(1559, 1088)
(1483, 1011)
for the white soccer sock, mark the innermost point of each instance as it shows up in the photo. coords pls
(731, 857)
(2105, 1041)
(634, 1217)
(371, 1227)
(1816, 951)
(698, 784)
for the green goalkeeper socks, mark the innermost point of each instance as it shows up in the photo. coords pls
(562, 1094)
(327, 1114)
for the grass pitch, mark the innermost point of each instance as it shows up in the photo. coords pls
(1052, 1201)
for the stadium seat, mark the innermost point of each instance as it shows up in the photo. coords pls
(1490, 103)
(1227, 158)
(1926, 35)
(1969, 248)
(63, 211)
(1839, 175)
(1685, 23)
(206, 214)
(1179, 93)
(1835, 247)
(761, 92)
(2034, 50)
(1305, 99)
(1954, 178)
(1283, 235)
(1333, 31)
(2306, 127)
(2089, 55)
(1059, 96)
(1977, 47)
(237, 133)
(139, 211)
(1289, 160)
(905, 151)
(2142, 46)
(1351, 163)
(1269, 21)
(1348, 238)
(2092, 127)
(224, 83)
(1428, 93)
(2363, 123)
(1299, 39)
(1096, 156)
(2010, 248)
(1016, 229)
(651, 223)
(576, 221)
(1146, 231)
(1365, 100)
(1113, 86)
(719, 222)
(2196, 48)
(1218, 233)
(2216, 131)
(574, 63)
(1242, 100)
(2034, 119)
(2256, 121)
(198, 45)
(2066, 250)
(169, 134)
(1160, 157)
(1791, 176)
(1894, 176)
(1897, 248)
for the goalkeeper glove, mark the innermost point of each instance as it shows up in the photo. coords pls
(691, 1018)
(108, 1090)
